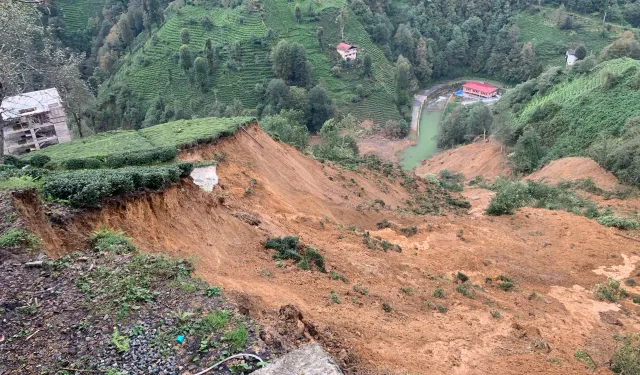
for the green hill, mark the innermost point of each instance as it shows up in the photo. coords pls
(567, 113)
(76, 13)
(153, 70)
(550, 42)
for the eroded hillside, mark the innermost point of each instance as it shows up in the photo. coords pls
(528, 306)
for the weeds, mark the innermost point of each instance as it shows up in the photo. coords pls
(439, 293)
(213, 291)
(626, 359)
(505, 283)
(435, 306)
(407, 290)
(121, 342)
(386, 307)
(112, 241)
(585, 358)
(409, 231)
(609, 291)
(334, 298)
(618, 222)
(496, 314)
(466, 291)
(358, 288)
(19, 237)
(237, 338)
(337, 276)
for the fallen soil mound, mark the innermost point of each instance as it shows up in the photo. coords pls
(575, 168)
(380, 311)
(486, 159)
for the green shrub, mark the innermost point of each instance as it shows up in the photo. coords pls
(509, 198)
(108, 240)
(618, 222)
(86, 188)
(144, 157)
(609, 291)
(289, 248)
(626, 359)
(13, 161)
(85, 163)
(18, 237)
(38, 160)
(439, 293)
(409, 231)
(466, 291)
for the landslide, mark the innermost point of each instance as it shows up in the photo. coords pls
(575, 168)
(390, 323)
(486, 159)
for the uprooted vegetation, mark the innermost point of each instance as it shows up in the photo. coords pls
(290, 248)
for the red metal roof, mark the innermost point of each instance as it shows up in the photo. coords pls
(344, 46)
(482, 87)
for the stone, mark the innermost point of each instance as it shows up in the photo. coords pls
(310, 359)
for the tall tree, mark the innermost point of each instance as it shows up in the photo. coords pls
(366, 65)
(341, 20)
(201, 67)
(321, 108)
(424, 68)
(290, 63)
(298, 13)
(208, 53)
(184, 36)
(403, 79)
(186, 60)
(320, 37)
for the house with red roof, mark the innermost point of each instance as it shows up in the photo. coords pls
(480, 89)
(347, 51)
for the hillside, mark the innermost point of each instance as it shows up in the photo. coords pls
(537, 25)
(527, 279)
(76, 13)
(152, 70)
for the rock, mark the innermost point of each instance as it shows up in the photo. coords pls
(475, 198)
(34, 264)
(309, 360)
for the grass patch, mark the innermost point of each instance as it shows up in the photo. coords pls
(623, 223)
(120, 342)
(237, 338)
(109, 240)
(14, 238)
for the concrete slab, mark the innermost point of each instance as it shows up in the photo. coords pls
(205, 177)
(310, 359)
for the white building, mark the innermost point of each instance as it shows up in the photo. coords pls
(32, 121)
(570, 56)
(347, 51)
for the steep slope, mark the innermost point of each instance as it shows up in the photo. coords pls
(488, 160)
(154, 69)
(395, 312)
(575, 168)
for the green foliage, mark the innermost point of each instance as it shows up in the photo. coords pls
(285, 128)
(121, 342)
(213, 291)
(215, 321)
(409, 231)
(626, 359)
(618, 222)
(512, 195)
(189, 133)
(464, 124)
(86, 188)
(290, 63)
(451, 181)
(237, 338)
(439, 293)
(466, 290)
(20, 183)
(585, 358)
(609, 291)
(334, 298)
(109, 240)
(496, 314)
(386, 307)
(18, 237)
(333, 146)
(528, 153)
(290, 248)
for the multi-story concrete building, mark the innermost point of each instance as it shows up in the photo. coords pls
(32, 121)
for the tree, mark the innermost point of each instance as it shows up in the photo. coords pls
(208, 54)
(320, 108)
(423, 68)
(581, 52)
(320, 37)
(186, 59)
(201, 68)
(206, 22)
(527, 153)
(184, 36)
(286, 128)
(366, 65)
(126, 33)
(632, 14)
(341, 20)
(290, 63)
(298, 14)
(403, 41)
(30, 61)
(333, 146)
(403, 79)
(625, 46)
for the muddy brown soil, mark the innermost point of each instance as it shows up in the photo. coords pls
(395, 326)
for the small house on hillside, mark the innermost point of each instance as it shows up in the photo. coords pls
(570, 56)
(32, 121)
(480, 89)
(347, 51)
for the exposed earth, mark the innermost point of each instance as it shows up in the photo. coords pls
(527, 308)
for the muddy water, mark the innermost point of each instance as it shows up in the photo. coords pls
(427, 145)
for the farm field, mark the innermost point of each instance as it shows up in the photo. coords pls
(76, 13)
(550, 42)
(153, 70)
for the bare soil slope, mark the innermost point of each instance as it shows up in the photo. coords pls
(575, 168)
(486, 159)
(390, 322)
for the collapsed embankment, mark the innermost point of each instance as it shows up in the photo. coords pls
(390, 312)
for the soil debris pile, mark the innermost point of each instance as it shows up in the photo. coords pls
(575, 168)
